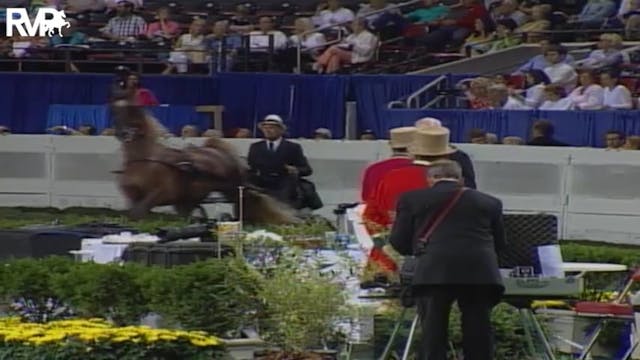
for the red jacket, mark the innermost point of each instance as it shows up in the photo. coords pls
(377, 213)
(471, 14)
(374, 173)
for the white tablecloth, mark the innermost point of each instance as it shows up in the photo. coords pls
(110, 248)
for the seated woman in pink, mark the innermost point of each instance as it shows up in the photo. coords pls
(143, 97)
(357, 48)
(163, 27)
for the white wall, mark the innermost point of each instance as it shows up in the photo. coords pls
(595, 193)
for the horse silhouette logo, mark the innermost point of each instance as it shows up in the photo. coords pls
(58, 22)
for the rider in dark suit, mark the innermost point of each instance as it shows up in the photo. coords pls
(276, 164)
(459, 262)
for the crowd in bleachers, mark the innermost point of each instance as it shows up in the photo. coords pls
(203, 35)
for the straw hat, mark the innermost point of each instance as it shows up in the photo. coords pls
(273, 119)
(431, 142)
(402, 137)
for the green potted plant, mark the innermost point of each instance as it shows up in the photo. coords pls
(301, 308)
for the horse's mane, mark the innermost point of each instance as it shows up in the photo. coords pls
(153, 128)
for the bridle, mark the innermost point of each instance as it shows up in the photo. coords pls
(128, 134)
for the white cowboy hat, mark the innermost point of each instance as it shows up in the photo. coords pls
(273, 119)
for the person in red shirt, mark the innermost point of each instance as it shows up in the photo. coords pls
(455, 30)
(430, 144)
(142, 96)
(399, 141)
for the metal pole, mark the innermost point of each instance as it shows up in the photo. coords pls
(240, 207)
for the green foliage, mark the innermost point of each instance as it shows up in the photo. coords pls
(16, 217)
(300, 305)
(217, 296)
(106, 291)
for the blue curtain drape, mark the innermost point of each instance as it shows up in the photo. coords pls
(26, 98)
(173, 117)
(577, 128)
(372, 93)
(304, 102)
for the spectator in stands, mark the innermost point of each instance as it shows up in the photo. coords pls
(614, 140)
(241, 21)
(164, 28)
(589, 95)
(500, 99)
(555, 98)
(71, 35)
(527, 6)
(357, 48)
(212, 133)
(539, 22)
(108, 132)
(368, 135)
(594, 14)
(312, 43)
(189, 131)
(113, 4)
(21, 46)
(492, 138)
(512, 140)
(189, 49)
(509, 10)
(125, 26)
(478, 136)
(542, 133)
(540, 62)
(431, 11)
(143, 96)
(535, 83)
(267, 37)
(559, 72)
(629, 16)
(377, 21)
(331, 12)
(478, 93)
(4, 130)
(455, 31)
(608, 53)
(632, 143)
(80, 6)
(504, 38)
(479, 42)
(616, 96)
(223, 45)
(322, 134)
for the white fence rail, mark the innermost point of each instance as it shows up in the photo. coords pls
(594, 193)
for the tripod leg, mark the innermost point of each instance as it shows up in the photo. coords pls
(412, 333)
(394, 334)
(542, 336)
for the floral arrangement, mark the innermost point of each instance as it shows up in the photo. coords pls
(96, 339)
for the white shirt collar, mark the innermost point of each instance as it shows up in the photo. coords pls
(276, 143)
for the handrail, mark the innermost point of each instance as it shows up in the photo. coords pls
(414, 97)
(327, 27)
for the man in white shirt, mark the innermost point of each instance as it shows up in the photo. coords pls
(558, 72)
(500, 99)
(263, 39)
(331, 12)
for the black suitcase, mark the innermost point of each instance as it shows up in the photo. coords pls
(39, 243)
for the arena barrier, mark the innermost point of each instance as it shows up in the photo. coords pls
(593, 192)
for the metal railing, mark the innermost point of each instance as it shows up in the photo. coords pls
(299, 49)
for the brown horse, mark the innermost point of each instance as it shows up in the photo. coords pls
(156, 175)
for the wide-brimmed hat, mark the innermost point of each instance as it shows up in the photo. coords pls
(431, 142)
(402, 137)
(273, 119)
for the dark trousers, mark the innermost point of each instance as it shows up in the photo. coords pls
(475, 302)
(437, 39)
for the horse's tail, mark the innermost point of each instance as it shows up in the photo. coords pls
(260, 208)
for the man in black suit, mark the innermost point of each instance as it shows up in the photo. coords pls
(276, 164)
(458, 262)
(542, 133)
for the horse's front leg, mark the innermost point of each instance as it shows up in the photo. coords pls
(141, 208)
